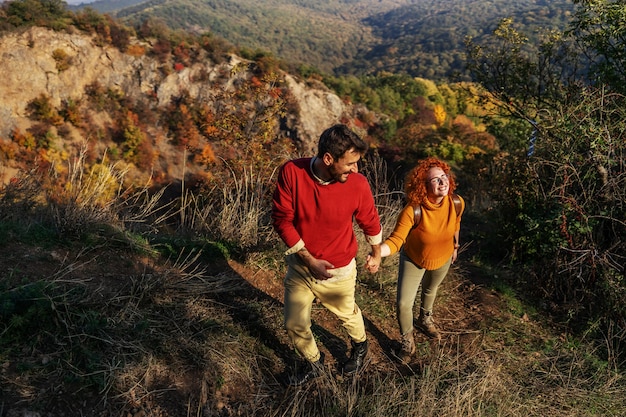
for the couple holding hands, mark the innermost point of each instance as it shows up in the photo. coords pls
(314, 205)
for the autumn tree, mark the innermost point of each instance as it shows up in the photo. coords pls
(600, 26)
(440, 115)
(561, 199)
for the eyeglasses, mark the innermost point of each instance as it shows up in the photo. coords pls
(439, 180)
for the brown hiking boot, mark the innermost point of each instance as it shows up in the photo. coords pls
(408, 347)
(426, 325)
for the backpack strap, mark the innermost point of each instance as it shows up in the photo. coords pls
(417, 216)
(417, 210)
(457, 204)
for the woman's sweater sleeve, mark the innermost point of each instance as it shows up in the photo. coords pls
(404, 224)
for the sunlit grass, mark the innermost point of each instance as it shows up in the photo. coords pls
(171, 329)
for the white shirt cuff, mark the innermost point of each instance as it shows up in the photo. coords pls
(295, 248)
(375, 240)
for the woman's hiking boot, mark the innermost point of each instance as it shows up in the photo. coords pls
(408, 347)
(357, 358)
(307, 372)
(426, 325)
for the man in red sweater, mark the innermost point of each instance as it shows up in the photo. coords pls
(315, 202)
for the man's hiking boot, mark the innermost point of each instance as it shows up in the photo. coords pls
(426, 325)
(357, 358)
(307, 372)
(408, 347)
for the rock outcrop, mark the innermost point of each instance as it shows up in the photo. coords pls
(61, 65)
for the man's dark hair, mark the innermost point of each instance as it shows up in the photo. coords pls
(338, 139)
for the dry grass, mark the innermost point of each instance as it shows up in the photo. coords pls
(236, 209)
(480, 382)
(122, 331)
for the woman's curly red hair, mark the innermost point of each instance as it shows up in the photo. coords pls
(415, 183)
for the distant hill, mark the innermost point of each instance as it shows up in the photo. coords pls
(426, 39)
(106, 6)
(423, 38)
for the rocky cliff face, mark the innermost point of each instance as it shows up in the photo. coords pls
(62, 65)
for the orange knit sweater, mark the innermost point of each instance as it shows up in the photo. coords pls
(431, 243)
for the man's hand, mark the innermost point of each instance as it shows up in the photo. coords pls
(317, 267)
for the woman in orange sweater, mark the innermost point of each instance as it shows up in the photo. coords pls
(427, 236)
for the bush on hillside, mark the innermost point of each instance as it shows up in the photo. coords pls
(561, 196)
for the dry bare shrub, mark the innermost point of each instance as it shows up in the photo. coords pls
(86, 198)
(235, 210)
(20, 196)
(389, 203)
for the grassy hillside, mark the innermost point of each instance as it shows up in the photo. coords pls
(422, 38)
(321, 34)
(126, 316)
(127, 300)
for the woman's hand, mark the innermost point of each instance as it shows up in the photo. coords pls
(455, 254)
(372, 263)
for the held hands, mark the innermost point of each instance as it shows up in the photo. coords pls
(373, 260)
(372, 263)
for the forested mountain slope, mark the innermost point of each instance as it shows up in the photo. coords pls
(421, 37)
(427, 38)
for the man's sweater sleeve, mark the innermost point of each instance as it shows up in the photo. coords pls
(283, 209)
(367, 217)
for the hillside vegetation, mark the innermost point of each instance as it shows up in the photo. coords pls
(123, 295)
(421, 38)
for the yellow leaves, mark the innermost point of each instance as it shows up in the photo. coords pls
(98, 187)
(24, 140)
(440, 115)
(429, 86)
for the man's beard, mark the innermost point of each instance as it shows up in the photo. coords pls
(338, 176)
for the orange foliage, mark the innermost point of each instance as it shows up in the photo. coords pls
(136, 50)
(465, 131)
(207, 121)
(146, 155)
(181, 52)
(24, 140)
(463, 125)
(186, 132)
(275, 93)
(207, 156)
(8, 150)
(256, 82)
(411, 135)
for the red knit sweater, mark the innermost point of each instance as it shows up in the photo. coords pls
(321, 215)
